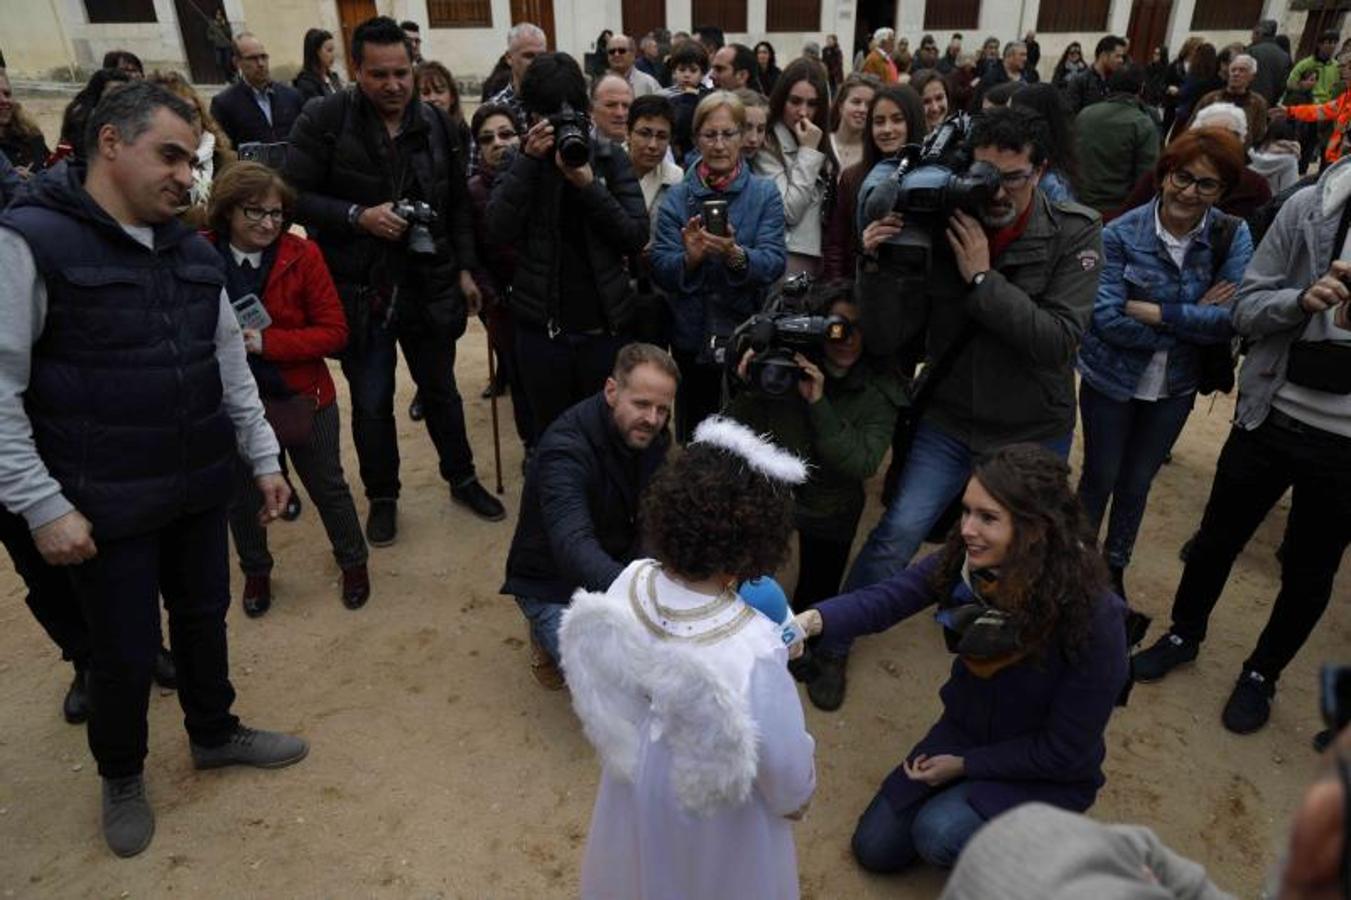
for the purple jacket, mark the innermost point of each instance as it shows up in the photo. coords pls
(1033, 732)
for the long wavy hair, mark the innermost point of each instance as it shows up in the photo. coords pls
(21, 124)
(801, 69)
(1053, 576)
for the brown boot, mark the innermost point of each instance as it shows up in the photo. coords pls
(543, 667)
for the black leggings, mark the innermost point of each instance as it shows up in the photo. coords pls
(820, 568)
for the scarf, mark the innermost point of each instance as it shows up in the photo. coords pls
(718, 183)
(983, 635)
(1001, 238)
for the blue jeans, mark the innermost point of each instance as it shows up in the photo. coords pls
(544, 619)
(1124, 445)
(935, 831)
(935, 473)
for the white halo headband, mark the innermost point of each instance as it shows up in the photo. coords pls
(759, 454)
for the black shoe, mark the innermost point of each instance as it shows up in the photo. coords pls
(805, 668)
(1168, 652)
(415, 408)
(483, 504)
(494, 390)
(166, 673)
(76, 705)
(1322, 740)
(356, 586)
(382, 523)
(293, 506)
(128, 820)
(1249, 705)
(257, 595)
(827, 689)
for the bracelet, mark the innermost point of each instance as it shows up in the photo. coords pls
(739, 258)
(354, 215)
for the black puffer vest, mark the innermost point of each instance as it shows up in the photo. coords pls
(125, 397)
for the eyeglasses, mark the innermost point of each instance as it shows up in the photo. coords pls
(487, 137)
(648, 134)
(1183, 179)
(716, 137)
(1014, 180)
(258, 214)
(617, 51)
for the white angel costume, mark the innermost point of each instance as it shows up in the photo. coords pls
(688, 701)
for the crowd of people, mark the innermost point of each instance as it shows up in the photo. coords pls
(685, 243)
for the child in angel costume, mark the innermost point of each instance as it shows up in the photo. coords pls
(684, 690)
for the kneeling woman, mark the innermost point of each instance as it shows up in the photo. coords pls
(1040, 661)
(684, 689)
(250, 208)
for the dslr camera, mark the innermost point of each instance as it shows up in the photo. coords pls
(786, 327)
(571, 136)
(272, 155)
(932, 181)
(420, 217)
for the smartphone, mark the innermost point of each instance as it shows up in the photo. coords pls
(715, 217)
(251, 313)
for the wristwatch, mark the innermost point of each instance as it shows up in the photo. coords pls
(979, 278)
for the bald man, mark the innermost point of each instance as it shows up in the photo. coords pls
(622, 55)
(611, 98)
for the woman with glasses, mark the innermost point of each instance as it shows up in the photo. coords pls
(718, 246)
(1170, 271)
(292, 320)
(1071, 64)
(894, 118)
(1039, 661)
(798, 159)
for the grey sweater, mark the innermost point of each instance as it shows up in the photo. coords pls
(26, 487)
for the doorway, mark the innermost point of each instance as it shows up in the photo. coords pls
(540, 12)
(642, 16)
(1148, 28)
(870, 16)
(193, 18)
(352, 13)
(1329, 18)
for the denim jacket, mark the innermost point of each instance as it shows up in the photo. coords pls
(713, 299)
(1136, 266)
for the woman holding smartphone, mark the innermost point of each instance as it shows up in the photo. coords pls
(719, 244)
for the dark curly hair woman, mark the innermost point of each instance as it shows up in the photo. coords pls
(1040, 648)
(684, 689)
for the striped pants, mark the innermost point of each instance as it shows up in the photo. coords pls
(320, 470)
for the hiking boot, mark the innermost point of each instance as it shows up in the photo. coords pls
(544, 668)
(257, 595)
(475, 496)
(76, 705)
(1249, 705)
(293, 507)
(1168, 652)
(249, 747)
(382, 523)
(128, 820)
(166, 673)
(827, 689)
(356, 586)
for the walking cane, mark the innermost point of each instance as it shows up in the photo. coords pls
(492, 400)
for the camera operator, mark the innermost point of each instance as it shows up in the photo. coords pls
(356, 156)
(715, 281)
(1292, 429)
(1003, 315)
(839, 420)
(572, 207)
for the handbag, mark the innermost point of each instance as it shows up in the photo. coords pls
(291, 418)
(1216, 362)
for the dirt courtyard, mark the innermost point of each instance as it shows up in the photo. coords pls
(439, 769)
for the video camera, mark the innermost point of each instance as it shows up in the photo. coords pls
(420, 217)
(571, 130)
(932, 180)
(786, 327)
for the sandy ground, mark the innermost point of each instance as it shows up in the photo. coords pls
(439, 769)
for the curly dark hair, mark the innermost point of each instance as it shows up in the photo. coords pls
(1053, 577)
(708, 513)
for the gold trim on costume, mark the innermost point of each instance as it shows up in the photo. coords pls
(722, 603)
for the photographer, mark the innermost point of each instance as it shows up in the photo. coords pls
(839, 420)
(354, 157)
(1003, 315)
(1292, 429)
(573, 219)
(715, 281)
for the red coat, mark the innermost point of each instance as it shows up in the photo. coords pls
(308, 323)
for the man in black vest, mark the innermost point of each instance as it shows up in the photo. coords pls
(255, 108)
(354, 156)
(124, 398)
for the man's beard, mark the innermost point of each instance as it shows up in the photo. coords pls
(998, 220)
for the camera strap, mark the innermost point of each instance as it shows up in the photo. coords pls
(927, 381)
